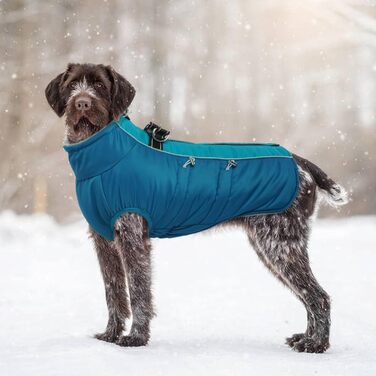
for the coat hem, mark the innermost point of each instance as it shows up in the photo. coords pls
(139, 211)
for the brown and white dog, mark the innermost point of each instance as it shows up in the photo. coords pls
(91, 96)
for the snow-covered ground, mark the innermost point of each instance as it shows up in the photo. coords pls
(219, 311)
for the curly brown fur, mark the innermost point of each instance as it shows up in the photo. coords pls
(109, 94)
(126, 269)
(280, 241)
(115, 282)
(134, 246)
(93, 95)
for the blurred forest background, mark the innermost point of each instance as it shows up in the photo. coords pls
(300, 73)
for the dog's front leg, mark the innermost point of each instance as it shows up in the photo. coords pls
(134, 245)
(114, 278)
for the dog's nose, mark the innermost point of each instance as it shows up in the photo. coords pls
(83, 103)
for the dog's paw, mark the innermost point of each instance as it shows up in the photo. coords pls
(294, 338)
(307, 344)
(107, 336)
(132, 341)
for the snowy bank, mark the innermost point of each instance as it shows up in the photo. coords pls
(230, 319)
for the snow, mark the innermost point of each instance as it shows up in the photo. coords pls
(219, 311)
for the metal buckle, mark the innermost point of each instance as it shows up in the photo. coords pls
(190, 161)
(162, 137)
(231, 163)
(157, 133)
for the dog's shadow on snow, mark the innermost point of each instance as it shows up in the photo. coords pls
(192, 347)
(207, 346)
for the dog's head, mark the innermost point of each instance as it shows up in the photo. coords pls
(90, 96)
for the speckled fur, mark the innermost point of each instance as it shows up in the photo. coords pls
(280, 240)
(126, 269)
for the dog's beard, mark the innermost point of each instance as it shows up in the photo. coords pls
(81, 126)
(85, 125)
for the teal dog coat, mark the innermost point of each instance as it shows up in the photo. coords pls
(182, 189)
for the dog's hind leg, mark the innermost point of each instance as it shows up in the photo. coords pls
(310, 319)
(112, 269)
(134, 245)
(280, 241)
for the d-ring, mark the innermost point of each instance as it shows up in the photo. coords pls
(154, 135)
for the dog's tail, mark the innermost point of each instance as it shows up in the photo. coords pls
(332, 193)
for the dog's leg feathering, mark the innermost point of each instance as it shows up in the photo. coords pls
(134, 245)
(286, 257)
(280, 241)
(115, 286)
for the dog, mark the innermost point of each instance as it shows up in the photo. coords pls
(91, 96)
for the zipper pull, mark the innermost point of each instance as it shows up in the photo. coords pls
(190, 161)
(231, 163)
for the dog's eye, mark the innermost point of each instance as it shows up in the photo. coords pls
(98, 85)
(72, 84)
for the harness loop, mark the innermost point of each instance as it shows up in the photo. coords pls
(190, 161)
(157, 135)
(231, 163)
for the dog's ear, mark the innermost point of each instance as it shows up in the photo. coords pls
(54, 91)
(122, 93)
(53, 95)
